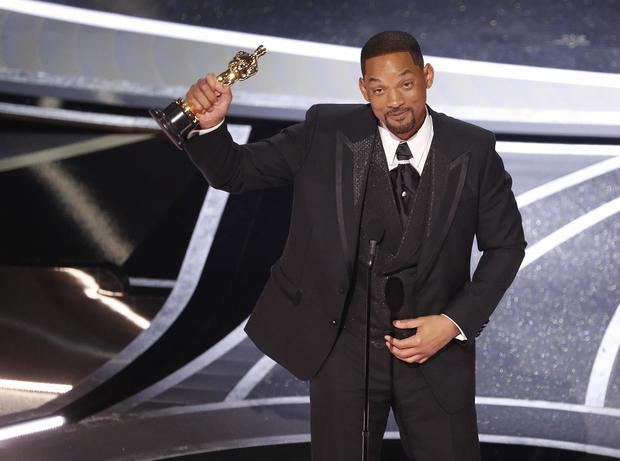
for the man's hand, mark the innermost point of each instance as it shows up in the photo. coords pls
(433, 333)
(209, 100)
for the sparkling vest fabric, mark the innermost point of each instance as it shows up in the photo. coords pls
(379, 203)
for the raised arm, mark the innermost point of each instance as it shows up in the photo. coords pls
(226, 165)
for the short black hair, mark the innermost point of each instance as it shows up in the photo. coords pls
(391, 41)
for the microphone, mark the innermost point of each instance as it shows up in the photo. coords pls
(376, 231)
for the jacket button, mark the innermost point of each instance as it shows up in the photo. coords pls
(341, 290)
(334, 322)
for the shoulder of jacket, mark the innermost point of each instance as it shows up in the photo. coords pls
(334, 112)
(459, 127)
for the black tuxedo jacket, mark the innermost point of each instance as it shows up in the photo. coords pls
(298, 316)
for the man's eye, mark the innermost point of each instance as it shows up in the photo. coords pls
(377, 90)
(408, 84)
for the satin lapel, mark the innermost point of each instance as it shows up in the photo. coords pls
(448, 173)
(351, 169)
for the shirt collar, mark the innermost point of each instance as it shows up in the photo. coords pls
(417, 143)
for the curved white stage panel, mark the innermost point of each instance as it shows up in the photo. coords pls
(71, 53)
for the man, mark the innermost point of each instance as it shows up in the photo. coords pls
(432, 182)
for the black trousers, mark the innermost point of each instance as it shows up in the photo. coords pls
(427, 431)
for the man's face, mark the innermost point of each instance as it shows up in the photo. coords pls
(396, 88)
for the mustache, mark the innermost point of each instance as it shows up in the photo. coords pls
(398, 111)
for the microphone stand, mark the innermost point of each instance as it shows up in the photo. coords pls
(372, 250)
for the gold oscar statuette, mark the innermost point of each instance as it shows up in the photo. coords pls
(178, 119)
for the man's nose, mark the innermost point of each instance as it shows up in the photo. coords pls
(394, 98)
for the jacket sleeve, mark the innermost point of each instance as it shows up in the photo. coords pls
(267, 163)
(499, 234)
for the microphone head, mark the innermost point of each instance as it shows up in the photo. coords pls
(376, 230)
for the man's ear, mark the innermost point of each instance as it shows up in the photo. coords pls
(363, 89)
(429, 75)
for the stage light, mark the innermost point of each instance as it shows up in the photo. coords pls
(31, 386)
(31, 427)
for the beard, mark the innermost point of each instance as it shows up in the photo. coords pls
(403, 127)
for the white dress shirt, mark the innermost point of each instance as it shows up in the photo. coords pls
(419, 145)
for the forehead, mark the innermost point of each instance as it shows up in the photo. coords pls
(391, 65)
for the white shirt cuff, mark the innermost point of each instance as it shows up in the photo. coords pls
(193, 133)
(461, 336)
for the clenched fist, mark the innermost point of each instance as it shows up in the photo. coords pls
(209, 100)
